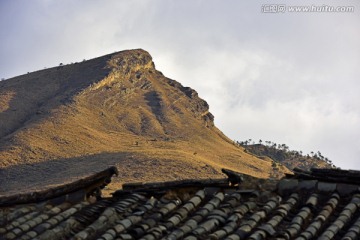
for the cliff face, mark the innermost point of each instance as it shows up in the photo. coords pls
(119, 110)
(134, 82)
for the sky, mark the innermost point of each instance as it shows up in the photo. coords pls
(266, 71)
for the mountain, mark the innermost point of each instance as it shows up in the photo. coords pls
(282, 156)
(68, 121)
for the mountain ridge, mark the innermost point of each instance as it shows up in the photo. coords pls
(292, 159)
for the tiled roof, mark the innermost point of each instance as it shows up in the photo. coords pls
(302, 206)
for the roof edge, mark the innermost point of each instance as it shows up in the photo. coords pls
(84, 186)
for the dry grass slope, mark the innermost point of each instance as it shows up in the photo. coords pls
(66, 122)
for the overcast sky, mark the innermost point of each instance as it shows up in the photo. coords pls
(288, 77)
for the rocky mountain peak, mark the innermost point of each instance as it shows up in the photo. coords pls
(131, 60)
